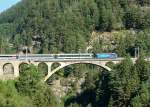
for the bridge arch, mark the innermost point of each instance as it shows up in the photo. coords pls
(8, 69)
(21, 66)
(100, 65)
(55, 65)
(110, 64)
(43, 67)
(62, 65)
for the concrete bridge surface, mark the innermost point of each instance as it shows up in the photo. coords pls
(10, 69)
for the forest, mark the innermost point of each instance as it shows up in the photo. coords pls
(67, 26)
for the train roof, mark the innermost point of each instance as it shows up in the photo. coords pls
(106, 53)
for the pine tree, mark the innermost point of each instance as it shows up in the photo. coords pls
(124, 83)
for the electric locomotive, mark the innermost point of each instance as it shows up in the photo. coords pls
(106, 56)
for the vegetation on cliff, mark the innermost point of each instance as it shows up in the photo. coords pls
(54, 26)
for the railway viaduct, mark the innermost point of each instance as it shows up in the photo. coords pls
(10, 69)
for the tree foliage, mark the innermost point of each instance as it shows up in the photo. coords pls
(66, 25)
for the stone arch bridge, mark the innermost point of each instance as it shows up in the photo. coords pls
(9, 69)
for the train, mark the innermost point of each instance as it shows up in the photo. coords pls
(60, 56)
(106, 56)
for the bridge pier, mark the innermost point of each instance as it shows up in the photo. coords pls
(16, 71)
(1, 69)
(16, 65)
(49, 65)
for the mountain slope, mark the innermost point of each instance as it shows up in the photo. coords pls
(53, 26)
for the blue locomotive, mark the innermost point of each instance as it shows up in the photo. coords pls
(106, 55)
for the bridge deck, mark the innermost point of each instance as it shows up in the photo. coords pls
(63, 60)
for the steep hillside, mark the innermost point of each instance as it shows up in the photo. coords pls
(54, 26)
